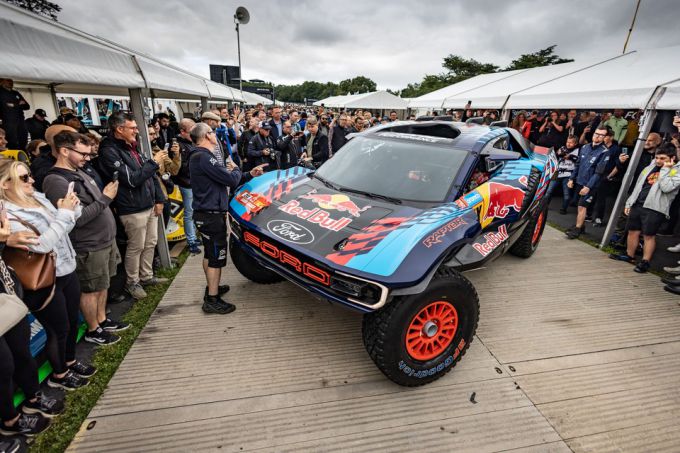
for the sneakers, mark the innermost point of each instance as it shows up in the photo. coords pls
(642, 267)
(69, 382)
(216, 305)
(82, 369)
(13, 445)
(135, 290)
(113, 326)
(674, 249)
(563, 211)
(27, 425)
(43, 405)
(194, 249)
(153, 281)
(672, 270)
(589, 218)
(672, 289)
(222, 289)
(598, 223)
(622, 257)
(101, 337)
(675, 281)
(575, 232)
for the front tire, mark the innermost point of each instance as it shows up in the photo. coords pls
(417, 339)
(250, 268)
(528, 242)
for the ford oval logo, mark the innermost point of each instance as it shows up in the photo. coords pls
(290, 232)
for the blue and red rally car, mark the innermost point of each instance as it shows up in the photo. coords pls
(387, 225)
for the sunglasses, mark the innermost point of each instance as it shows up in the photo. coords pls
(25, 178)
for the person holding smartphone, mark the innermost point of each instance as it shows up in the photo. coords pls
(649, 204)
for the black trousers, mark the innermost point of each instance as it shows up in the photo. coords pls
(606, 196)
(16, 366)
(60, 320)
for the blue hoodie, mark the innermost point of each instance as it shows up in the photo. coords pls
(590, 166)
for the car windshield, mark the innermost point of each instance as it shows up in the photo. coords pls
(394, 168)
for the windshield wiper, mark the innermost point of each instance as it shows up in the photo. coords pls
(371, 195)
(326, 182)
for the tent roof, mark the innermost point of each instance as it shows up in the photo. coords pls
(252, 99)
(624, 82)
(38, 51)
(671, 97)
(435, 99)
(374, 100)
(495, 94)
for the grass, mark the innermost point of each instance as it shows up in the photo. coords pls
(79, 404)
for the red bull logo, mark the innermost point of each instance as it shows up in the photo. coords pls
(491, 241)
(317, 216)
(498, 201)
(338, 202)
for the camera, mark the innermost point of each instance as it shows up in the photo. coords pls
(273, 154)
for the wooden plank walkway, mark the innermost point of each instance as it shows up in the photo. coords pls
(574, 352)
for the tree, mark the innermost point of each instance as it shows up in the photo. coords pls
(359, 84)
(41, 7)
(464, 68)
(318, 90)
(543, 57)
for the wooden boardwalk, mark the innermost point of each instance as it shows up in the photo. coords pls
(574, 352)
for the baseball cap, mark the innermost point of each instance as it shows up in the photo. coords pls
(41, 112)
(265, 125)
(210, 116)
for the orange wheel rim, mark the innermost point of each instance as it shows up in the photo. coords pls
(537, 230)
(432, 330)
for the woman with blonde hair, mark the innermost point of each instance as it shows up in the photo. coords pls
(519, 120)
(28, 208)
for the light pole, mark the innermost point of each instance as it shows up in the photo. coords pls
(242, 16)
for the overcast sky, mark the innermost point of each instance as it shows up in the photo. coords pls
(392, 42)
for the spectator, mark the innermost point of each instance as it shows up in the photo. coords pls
(210, 182)
(571, 124)
(316, 143)
(567, 156)
(46, 160)
(58, 315)
(338, 134)
(226, 135)
(649, 151)
(295, 121)
(619, 125)
(74, 122)
(519, 120)
(611, 181)
(632, 132)
(37, 125)
(165, 132)
(244, 139)
(586, 177)
(138, 204)
(276, 123)
(592, 123)
(34, 148)
(289, 146)
(12, 107)
(3, 140)
(303, 120)
(94, 235)
(393, 116)
(213, 120)
(261, 148)
(19, 367)
(530, 129)
(551, 131)
(183, 180)
(91, 166)
(648, 205)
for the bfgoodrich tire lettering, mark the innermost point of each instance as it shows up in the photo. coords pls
(249, 268)
(384, 331)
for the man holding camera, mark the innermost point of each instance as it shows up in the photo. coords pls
(261, 148)
(289, 145)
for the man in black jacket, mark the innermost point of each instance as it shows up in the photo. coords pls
(139, 200)
(289, 146)
(276, 123)
(338, 134)
(316, 143)
(183, 181)
(37, 125)
(261, 147)
(244, 139)
(210, 182)
(12, 106)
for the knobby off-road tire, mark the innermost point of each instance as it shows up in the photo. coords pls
(532, 185)
(391, 335)
(249, 268)
(528, 242)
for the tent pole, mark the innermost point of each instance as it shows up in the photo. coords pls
(137, 104)
(55, 102)
(204, 105)
(649, 117)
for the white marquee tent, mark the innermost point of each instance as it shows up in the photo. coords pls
(376, 100)
(254, 99)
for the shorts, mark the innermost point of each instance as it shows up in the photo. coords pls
(213, 230)
(95, 269)
(584, 200)
(646, 220)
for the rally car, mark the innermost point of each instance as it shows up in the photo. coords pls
(388, 224)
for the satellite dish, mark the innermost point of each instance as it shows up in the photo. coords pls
(242, 15)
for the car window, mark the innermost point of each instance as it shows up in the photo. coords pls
(401, 169)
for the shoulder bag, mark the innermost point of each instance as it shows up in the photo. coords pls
(34, 270)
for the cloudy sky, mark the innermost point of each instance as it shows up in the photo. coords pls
(392, 42)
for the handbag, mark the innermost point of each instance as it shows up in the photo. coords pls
(34, 270)
(12, 309)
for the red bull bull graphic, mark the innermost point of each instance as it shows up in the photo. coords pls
(498, 201)
(337, 202)
(253, 202)
(436, 237)
(491, 241)
(316, 215)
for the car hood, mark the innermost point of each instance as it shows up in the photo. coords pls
(364, 235)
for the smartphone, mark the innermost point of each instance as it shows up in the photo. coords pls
(166, 147)
(624, 151)
(71, 186)
(114, 177)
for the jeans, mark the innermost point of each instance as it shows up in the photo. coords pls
(189, 226)
(18, 367)
(566, 191)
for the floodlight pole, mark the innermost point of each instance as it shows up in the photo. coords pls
(238, 44)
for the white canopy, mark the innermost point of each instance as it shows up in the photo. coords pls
(253, 99)
(222, 92)
(376, 100)
(35, 51)
(495, 94)
(671, 98)
(331, 101)
(435, 99)
(624, 82)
